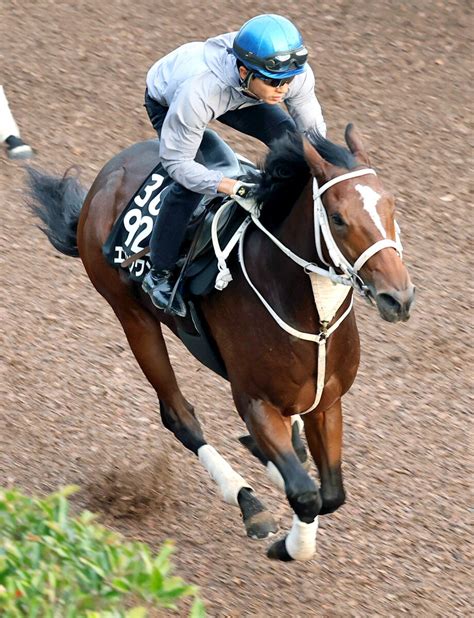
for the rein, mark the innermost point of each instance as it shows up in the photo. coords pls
(322, 230)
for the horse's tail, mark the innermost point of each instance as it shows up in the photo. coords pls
(57, 201)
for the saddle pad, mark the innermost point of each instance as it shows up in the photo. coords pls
(132, 230)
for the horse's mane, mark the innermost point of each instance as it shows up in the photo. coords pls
(285, 172)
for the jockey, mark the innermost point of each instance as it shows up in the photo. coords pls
(239, 79)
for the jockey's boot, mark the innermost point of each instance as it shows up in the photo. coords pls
(159, 286)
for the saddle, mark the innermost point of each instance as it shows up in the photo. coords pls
(127, 244)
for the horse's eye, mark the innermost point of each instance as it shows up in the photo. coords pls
(338, 220)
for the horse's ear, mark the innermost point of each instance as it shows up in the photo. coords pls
(319, 167)
(354, 141)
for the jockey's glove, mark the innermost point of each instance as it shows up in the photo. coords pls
(244, 195)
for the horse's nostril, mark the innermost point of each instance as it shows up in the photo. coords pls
(395, 305)
(389, 307)
(389, 301)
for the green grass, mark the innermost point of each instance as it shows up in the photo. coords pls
(53, 565)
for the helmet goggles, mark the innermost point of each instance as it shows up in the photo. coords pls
(286, 62)
(282, 62)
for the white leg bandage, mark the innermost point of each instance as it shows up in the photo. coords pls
(229, 481)
(8, 125)
(301, 541)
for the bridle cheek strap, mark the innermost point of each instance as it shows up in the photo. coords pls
(321, 222)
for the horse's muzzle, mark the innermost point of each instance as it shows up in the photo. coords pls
(395, 305)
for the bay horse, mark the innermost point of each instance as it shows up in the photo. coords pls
(325, 217)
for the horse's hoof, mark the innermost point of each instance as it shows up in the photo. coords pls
(260, 526)
(277, 551)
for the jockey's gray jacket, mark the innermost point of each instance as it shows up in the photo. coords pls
(199, 82)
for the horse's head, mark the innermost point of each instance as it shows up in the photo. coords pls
(356, 219)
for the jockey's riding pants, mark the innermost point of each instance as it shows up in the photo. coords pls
(264, 122)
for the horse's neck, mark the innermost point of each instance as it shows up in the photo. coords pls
(297, 231)
(285, 281)
(300, 295)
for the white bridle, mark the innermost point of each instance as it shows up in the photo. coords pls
(323, 230)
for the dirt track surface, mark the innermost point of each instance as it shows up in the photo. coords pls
(74, 405)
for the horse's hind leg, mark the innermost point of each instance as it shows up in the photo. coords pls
(146, 340)
(272, 433)
(324, 434)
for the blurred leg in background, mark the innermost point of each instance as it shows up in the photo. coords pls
(9, 132)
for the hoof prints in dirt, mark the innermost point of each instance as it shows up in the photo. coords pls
(131, 492)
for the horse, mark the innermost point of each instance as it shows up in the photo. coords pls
(326, 225)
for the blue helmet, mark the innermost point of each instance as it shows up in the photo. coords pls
(272, 46)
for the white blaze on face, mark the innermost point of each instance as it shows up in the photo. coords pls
(369, 200)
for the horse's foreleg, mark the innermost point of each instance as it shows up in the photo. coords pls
(324, 434)
(146, 340)
(272, 433)
(297, 442)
